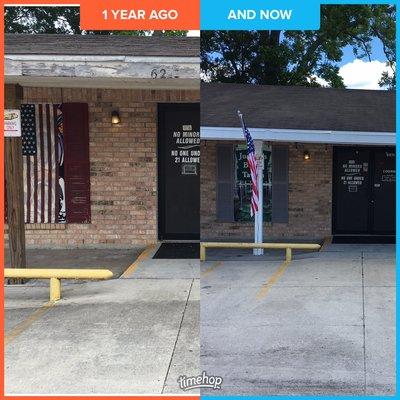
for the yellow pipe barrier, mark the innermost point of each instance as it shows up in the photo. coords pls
(230, 245)
(55, 276)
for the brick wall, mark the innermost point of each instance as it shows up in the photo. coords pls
(123, 164)
(310, 198)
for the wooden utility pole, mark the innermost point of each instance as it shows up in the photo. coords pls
(15, 188)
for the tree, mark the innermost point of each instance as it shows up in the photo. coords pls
(300, 57)
(41, 20)
(62, 20)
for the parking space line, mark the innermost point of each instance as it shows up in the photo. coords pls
(211, 269)
(24, 325)
(144, 255)
(274, 278)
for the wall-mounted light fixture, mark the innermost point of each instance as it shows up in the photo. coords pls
(115, 119)
(306, 155)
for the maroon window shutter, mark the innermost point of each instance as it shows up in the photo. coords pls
(76, 162)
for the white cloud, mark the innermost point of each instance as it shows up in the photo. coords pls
(193, 33)
(320, 81)
(360, 74)
(204, 77)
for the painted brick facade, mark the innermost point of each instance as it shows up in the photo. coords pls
(310, 198)
(123, 166)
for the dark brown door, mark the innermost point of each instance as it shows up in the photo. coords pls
(351, 190)
(364, 191)
(179, 169)
(384, 191)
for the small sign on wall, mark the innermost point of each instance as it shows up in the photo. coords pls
(12, 123)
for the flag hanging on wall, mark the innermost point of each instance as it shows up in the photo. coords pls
(42, 148)
(56, 166)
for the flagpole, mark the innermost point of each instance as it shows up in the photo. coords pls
(258, 217)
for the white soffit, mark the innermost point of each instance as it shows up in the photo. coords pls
(301, 136)
(104, 83)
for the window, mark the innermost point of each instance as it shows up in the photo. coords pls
(242, 195)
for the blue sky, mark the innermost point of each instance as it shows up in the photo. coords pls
(362, 74)
(377, 53)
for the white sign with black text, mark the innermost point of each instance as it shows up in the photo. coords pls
(12, 123)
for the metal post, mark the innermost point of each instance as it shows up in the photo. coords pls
(259, 215)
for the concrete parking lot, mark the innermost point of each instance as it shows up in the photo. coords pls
(133, 335)
(323, 324)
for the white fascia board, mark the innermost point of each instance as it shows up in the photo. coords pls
(112, 67)
(300, 136)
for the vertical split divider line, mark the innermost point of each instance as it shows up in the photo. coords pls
(363, 320)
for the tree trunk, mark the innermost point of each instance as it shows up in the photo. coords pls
(15, 190)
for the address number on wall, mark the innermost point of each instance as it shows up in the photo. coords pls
(158, 73)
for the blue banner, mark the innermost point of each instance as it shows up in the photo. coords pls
(259, 14)
(266, 14)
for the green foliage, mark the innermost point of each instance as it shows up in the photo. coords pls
(62, 20)
(41, 20)
(299, 57)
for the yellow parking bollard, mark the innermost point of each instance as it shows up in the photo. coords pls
(289, 247)
(202, 252)
(55, 289)
(288, 254)
(55, 276)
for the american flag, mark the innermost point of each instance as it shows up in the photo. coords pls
(251, 160)
(40, 162)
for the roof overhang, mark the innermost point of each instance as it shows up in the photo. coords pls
(140, 72)
(300, 136)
